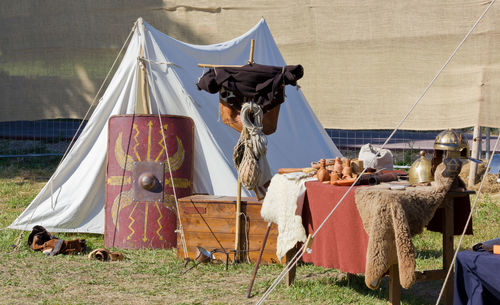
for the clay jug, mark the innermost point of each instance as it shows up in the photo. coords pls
(322, 173)
(347, 170)
(334, 177)
(338, 166)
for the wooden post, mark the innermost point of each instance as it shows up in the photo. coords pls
(250, 60)
(448, 252)
(143, 86)
(257, 264)
(237, 239)
(394, 286)
(476, 141)
(487, 148)
(290, 276)
(252, 46)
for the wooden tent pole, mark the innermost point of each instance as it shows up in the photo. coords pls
(146, 102)
(487, 150)
(250, 60)
(252, 46)
(237, 239)
(218, 66)
(476, 141)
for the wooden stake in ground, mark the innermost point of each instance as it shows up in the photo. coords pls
(476, 141)
(257, 264)
(237, 239)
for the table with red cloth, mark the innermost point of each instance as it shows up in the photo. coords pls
(342, 242)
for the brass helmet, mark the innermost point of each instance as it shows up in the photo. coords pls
(453, 142)
(420, 170)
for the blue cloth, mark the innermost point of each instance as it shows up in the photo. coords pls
(477, 278)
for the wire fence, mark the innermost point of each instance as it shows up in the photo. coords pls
(405, 145)
(52, 137)
(36, 138)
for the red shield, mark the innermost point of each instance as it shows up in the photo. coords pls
(140, 203)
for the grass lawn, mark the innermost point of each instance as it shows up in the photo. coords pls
(156, 276)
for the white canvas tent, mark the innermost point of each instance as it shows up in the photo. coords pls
(73, 199)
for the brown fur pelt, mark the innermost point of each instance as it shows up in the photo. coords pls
(73, 246)
(41, 240)
(391, 218)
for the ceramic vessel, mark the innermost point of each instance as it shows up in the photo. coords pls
(334, 177)
(347, 170)
(322, 173)
(338, 166)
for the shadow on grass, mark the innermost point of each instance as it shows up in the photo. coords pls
(341, 288)
(427, 253)
(28, 167)
(418, 294)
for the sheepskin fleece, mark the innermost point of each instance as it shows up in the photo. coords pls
(279, 207)
(391, 218)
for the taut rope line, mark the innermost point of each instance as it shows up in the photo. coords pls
(180, 228)
(300, 254)
(468, 220)
(78, 130)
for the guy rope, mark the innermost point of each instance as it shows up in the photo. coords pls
(468, 219)
(180, 228)
(304, 248)
(70, 145)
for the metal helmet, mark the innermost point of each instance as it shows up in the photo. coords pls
(464, 148)
(420, 170)
(453, 142)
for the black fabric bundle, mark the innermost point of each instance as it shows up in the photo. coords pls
(260, 83)
(40, 235)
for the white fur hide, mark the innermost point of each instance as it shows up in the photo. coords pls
(279, 207)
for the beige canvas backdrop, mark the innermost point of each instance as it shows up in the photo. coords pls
(366, 62)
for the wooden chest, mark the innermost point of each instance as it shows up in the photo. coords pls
(219, 213)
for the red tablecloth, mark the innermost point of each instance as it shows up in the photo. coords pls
(342, 242)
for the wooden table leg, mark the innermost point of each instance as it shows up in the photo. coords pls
(290, 276)
(448, 249)
(394, 286)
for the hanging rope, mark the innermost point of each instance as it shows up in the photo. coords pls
(249, 154)
(180, 228)
(301, 253)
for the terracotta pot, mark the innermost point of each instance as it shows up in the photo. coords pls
(334, 177)
(338, 166)
(347, 172)
(322, 173)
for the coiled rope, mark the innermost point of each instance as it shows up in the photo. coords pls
(300, 253)
(249, 154)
